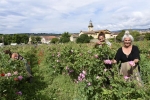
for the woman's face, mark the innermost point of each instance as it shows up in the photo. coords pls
(14, 56)
(127, 42)
(101, 38)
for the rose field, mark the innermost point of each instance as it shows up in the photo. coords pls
(71, 72)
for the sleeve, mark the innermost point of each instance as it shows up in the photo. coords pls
(136, 53)
(117, 56)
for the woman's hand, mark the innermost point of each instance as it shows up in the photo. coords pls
(114, 61)
(136, 60)
(99, 43)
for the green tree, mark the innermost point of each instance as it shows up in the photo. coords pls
(24, 38)
(147, 36)
(65, 37)
(120, 35)
(7, 39)
(14, 38)
(33, 39)
(38, 39)
(83, 38)
(54, 40)
(135, 35)
(91, 37)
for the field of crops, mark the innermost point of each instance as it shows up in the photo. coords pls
(70, 72)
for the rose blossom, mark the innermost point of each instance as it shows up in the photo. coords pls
(107, 62)
(8, 74)
(126, 77)
(132, 63)
(79, 78)
(16, 73)
(20, 78)
(82, 75)
(89, 83)
(97, 77)
(84, 72)
(67, 68)
(19, 93)
(96, 56)
(105, 69)
(71, 70)
(16, 79)
(2, 74)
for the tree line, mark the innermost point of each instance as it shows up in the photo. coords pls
(7, 39)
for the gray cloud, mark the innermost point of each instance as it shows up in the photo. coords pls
(72, 16)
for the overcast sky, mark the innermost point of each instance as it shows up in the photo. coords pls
(58, 16)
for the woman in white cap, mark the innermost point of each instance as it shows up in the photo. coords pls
(129, 56)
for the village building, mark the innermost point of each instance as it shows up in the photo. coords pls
(73, 37)
(44, 39)
(95, 33)
(47, 39)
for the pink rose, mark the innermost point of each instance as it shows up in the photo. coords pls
(20, 78)
(96, 56)
(126, 77)
(79, 78)
(83, 76)
(89, 83)
(8, 74)
(19, 93)
(132, 63)
(67, 68)
(16, 73)
(107, 62)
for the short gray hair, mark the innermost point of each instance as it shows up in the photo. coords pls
(127, 34)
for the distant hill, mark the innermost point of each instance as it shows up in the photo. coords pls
(133, 29)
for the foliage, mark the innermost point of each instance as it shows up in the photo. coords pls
(54, 40)
(65, 37)
(15, 38)
(135, 35)
(120, 35)
(74, 72)
(12, 76)
(38, 39)
(147, 36)
(84, 38)
(35, 39)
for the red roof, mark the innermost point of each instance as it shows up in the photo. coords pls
(48, 37)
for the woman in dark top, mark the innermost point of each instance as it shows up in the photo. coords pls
(129, 57)
(134, 54)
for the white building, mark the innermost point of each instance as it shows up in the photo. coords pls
(47, 39)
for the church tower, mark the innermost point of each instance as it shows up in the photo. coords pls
(90, 26)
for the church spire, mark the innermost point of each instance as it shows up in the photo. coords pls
(90, 26)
